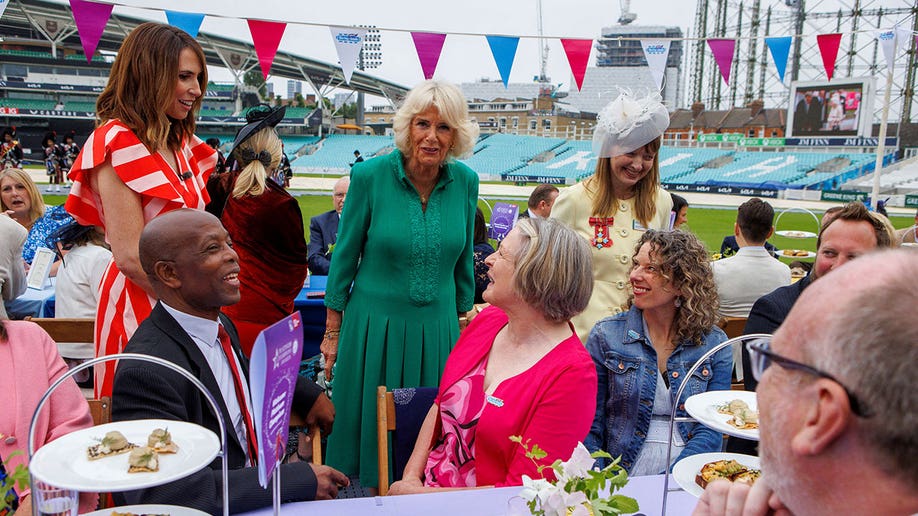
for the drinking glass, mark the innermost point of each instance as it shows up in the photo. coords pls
(48, 500)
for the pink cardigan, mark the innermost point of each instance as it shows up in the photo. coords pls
(551, 403)
(29, 364)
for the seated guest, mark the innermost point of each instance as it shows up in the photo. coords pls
(84, 258)
(29, 364)
(540, 201)
(751, 273)
(266, 227)
(518, 369)
(837, 400)
(323, 231)
(12, 270)
(483, 249)
(680, 209)
(846, 234)
(194, 272)
(20, 199)
(643, 355)
(730, 246)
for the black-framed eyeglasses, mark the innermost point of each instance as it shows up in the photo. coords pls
(761, 356)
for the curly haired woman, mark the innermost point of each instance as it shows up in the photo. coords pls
(642, 356)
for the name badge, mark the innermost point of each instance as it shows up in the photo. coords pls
(493, 400)
(636, 225)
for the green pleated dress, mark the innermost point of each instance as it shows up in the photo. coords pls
(412, 271)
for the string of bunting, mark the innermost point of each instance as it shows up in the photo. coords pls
(91, 18)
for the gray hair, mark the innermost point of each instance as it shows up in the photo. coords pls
(870, 343)
(451, 104)
(554, 270)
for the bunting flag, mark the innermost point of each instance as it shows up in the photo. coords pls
(428, 46)
(188, 22)
(828, 48)
(348, 42)
(3, 4)
(578, 56)
(503, 48)
(723, 55)
(266, 37)
(892, 41)
(780, 50)
(656, 51)
(90, 19)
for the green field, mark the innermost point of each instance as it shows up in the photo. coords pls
(710, 224)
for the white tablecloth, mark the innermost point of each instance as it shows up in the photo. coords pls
(481, 502)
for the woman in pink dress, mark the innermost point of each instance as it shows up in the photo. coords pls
(519, 369)
(142, 160)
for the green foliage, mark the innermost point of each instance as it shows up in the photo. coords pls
(17, 479)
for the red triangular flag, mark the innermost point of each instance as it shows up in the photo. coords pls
(428, 46)
(828, 47)
(90, 19)
(266, 37)
(578, 56)
(723, 55)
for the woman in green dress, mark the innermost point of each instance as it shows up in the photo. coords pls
(406, 244)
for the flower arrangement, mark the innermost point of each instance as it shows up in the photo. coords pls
(579, 488)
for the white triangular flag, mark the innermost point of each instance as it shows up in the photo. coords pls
(656, 51)
(892, 41)
(348, 42)
(3, 4)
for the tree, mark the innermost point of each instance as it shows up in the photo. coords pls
(349, 110)
(254, 78)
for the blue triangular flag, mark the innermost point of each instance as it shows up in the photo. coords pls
(503, 48)
(188, 22)
(780, 49)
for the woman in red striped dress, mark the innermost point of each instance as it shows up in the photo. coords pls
(142, 160)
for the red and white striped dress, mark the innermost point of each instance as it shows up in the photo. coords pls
(122, 304)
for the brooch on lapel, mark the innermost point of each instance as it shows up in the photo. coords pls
(601, 235)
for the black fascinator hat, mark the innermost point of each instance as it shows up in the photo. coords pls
(257, 118)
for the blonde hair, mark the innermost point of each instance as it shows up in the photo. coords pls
(554, 271)
(254, 173)
(38, 203)
(141, 85)
(451, 105)
(605, 204)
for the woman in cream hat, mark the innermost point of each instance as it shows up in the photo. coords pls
(613, 207)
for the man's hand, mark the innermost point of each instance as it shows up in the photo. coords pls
(723, 497)
(322, 414)
(328, 481)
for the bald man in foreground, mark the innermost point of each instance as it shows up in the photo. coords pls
(838, 405)
(188, 258)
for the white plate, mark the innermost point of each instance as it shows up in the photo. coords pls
(63, 462)
(685, 470)
(171, 510)
(703, 407)
(809, 254)
(796, 234)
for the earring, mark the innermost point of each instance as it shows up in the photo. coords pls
(678, 302)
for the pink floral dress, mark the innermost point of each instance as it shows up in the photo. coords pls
(451, 463)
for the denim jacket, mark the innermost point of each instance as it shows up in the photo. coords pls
(626, 367)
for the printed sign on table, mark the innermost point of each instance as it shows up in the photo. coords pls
(503, 218)
(272, 376)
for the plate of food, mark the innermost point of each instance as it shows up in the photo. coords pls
(796, 234)
(125, 455)
(147, 510)
(731, 412)
(693, 473)
(795, 253)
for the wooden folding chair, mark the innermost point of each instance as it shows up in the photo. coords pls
(315, 436)
(67, 331)
(734, 327)
(101, 410)
(420, 400)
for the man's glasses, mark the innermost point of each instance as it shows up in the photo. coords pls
(761, 356)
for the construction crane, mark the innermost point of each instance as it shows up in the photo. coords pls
(627, 16)
(543, 48)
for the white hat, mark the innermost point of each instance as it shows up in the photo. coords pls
(627, 124)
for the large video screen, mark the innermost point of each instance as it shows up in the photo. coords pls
(837, 108)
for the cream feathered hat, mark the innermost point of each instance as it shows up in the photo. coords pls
(628, 123)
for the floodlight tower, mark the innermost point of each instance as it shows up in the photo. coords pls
(370, 57)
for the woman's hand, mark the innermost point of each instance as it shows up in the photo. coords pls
(407, 486)
(329, 349)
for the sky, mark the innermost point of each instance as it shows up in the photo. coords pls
(465, 58)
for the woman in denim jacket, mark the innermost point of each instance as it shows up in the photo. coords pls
(642, 356)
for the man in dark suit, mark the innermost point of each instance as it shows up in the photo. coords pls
(851, 233)
(323, 231)
(193, 269)
(540, 201)
(808, 114)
